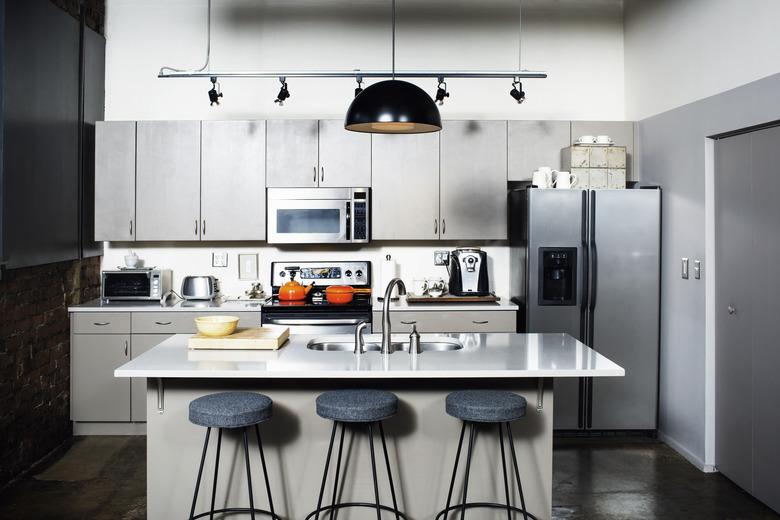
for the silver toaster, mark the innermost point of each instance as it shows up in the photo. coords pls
(199, 288)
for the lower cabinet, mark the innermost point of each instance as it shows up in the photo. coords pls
(141, 343)
(449, 321)
(96, 395)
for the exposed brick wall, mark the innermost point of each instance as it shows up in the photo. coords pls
(35, 357)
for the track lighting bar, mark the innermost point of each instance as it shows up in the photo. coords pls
(449, 74)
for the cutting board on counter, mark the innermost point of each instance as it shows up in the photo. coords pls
(258, 338)
(449, 298)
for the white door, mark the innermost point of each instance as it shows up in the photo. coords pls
(292, 153)
(345, 157)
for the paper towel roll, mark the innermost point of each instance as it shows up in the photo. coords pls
(388, 270)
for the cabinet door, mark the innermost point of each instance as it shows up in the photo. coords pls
(292, 153)
(115, 180)
(405, 187)
(140, 344)
(97, 394)
(345, 157)
(535, 143)
(168, 180)
(232, 195)
(474, 180)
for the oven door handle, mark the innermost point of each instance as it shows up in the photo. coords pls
(283, 321)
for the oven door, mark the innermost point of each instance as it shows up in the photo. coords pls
(309, 221)
(127, 286)
(308, 323)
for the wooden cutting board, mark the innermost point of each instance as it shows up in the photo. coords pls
(449, 298)
(259, 338)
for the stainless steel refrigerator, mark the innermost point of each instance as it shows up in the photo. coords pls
(587, 262)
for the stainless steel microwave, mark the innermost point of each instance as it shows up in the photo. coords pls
(318, 215)
(144, 284)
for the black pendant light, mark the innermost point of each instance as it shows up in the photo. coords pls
(393, 107)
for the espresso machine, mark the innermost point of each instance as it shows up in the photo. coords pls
(469, 272)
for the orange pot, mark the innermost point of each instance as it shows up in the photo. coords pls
(294, 291)
(339, 294)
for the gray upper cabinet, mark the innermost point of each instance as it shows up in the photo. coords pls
(168, 180)
(232, 191)
(292, 159)
(345, 157)
(115, 180)
(536, 143)
(473, 180)
(405, 187)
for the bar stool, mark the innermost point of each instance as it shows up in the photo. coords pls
(369, 407)
(232, 410)
(486, 406)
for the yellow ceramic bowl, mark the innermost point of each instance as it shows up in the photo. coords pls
(216, 326)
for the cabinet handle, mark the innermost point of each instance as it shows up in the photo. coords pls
(731, 310)
(196, 227)
(203, 227)
(409, 322)
(443, 226)
(322, 175)
(102, 323)
(314, 179)
(126, 345)
(131, 227)
(435, 226)
(480, 322)
(163, 322)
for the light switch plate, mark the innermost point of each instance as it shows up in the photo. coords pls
(247, 267)
(441, 257)
(219, 259)
(684, 269)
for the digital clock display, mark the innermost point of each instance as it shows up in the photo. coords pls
(320, 273)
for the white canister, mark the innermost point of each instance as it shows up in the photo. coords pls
(388, 271)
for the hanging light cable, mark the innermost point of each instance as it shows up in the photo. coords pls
(393, 106)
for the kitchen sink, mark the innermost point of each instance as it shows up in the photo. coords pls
(349, 346)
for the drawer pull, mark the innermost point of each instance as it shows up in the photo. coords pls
(163, 322)
(409, 322)
(480, 322)
(126, 345)
(102, 323)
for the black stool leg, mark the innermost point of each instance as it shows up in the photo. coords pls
(248, 475)
(517, 471)
(265, 472)
(325, 473)
(216, 470)
(503, 466)
(472, 434)
(454, 471)
(373, 470)
(334, 511)
(389, 474)
(200, 472)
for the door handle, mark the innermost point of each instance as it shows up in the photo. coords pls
(131, 227)
(409, 322)
(102, 323)
(203, 226)
(480, 322)
(732, 309)
(443, 226)
(435, 226)
(126, 346)
(322, 175)
(163, 322)
(196, 227)
(314, 179)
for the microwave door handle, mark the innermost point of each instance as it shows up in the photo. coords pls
(349, 221)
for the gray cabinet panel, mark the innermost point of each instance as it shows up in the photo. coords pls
(140, 344)
(97, 394)
(405, 187)
(473, 180)
(536, 143)
(168, 180)
(734, 364)
(621, 132)
(448, 321)
(115, 180)
(292, 158)
(100, 322)
(233, 180)
(344, 156)
(167, 322)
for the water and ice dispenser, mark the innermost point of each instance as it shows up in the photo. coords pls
(557, 276)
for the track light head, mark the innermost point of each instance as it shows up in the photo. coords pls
(517, 91)
(283, 93)
(359, 87)
(441, 92)
(215, 92)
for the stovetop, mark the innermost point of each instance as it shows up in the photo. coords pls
(358, 303)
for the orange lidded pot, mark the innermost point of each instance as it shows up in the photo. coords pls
(339, 294)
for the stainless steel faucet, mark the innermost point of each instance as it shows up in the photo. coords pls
(360, 343)
(386, 311)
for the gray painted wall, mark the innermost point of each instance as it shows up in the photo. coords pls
(671, 149)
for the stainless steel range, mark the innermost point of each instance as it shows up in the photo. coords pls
(315, 315)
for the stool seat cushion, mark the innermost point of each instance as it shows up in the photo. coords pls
(230, 409)
(357, 405)
(485, 405)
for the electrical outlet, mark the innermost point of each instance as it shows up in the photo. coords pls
(219, 259)
(441, 257)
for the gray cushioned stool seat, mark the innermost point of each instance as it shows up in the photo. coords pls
(230, 409)
(485, 405)
(357, 405)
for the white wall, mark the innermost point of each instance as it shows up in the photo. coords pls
(679, 51)
(579, 43)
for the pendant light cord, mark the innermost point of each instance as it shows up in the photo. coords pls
(393, 40)
(520, 35)
(208, 45)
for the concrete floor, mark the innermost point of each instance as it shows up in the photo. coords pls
(103, 478)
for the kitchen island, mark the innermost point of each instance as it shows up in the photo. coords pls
(422, 438)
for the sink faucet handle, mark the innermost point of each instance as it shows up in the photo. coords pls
(414, 341)
(360, 343)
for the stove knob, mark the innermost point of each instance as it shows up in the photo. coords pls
(359, 273)
(282, 274)
(348, 273)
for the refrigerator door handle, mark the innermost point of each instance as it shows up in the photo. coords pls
(584, 280)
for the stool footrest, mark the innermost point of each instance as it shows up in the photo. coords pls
(472, 505)
(237, 510)
(370, 505)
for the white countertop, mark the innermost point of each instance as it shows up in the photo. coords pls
(483, 356)
(402, 305)
(182, 306)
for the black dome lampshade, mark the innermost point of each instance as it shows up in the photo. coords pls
(393, 107)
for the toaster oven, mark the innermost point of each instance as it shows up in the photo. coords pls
(147, 284)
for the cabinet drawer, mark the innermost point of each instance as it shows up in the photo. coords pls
(174, 322)
(100, 322)
(449, 321)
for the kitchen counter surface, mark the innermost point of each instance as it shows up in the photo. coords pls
(495, 355)
(182, 306)
(401, 305)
